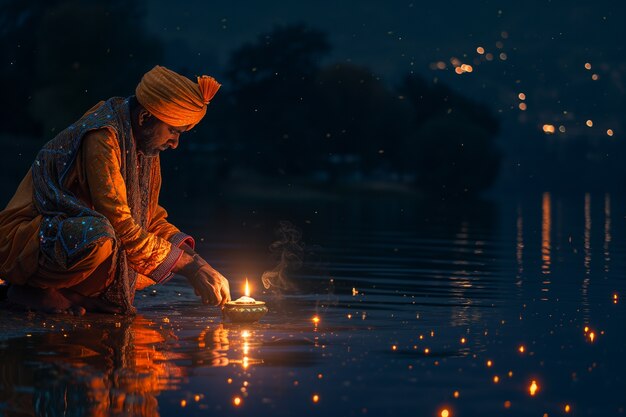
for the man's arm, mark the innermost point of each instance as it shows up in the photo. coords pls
(207, 282)
(147, 253)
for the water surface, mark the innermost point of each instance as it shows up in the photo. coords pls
(398, 309)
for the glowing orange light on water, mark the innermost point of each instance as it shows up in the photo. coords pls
(586, 329)
(316, 398)
(548, 129)
(592, 336)
(463, 340)
(507, 404)
(521, 349)
(456, 394)
(489, 363)
(237, 401)
(567, 408)
(533, 388)
(587, 66)
(480, 50)
(522, 106)
(589, 123)
(445, 413)
(609, 132)
(521, 96)
(316, 320)
(496, 379)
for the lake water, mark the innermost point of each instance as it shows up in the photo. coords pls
(508, 307)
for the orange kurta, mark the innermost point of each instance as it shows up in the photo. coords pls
(96, 180)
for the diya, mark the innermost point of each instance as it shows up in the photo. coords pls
(245, 309)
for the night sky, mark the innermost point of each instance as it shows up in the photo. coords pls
(552, 72)
(539, 48)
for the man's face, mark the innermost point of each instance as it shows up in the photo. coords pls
(154, 136)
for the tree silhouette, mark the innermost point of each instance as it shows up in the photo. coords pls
(361, 117)
(452, 145)
(274, 96)
(69, 55)
(297, 117)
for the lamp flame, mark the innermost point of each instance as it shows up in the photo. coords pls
(247, 289)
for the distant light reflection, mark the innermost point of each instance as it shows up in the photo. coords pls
(607, 231)
(519, 252)
(587, 254)
(587, 233)
(546, 229)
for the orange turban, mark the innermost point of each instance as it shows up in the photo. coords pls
(174, 99)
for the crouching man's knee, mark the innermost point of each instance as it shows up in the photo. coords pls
(80, 250)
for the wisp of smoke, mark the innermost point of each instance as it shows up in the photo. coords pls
(288, 251)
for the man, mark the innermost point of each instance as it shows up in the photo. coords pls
(84, 229)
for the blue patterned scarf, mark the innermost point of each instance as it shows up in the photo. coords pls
(70, 228)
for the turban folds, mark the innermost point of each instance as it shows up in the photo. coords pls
(173, 98)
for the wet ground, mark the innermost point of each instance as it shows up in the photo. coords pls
(511, 307)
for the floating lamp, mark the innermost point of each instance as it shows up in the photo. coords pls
(245, 309)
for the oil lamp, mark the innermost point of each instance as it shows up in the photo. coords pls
(245, 309)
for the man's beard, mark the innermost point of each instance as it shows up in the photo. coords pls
(145, 141)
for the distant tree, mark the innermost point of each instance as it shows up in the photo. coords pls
(286, 53)
(273, 93)
(71, 54)
(18, 72)
(453, 157)
(453, 145)
(296, 117)
(432, 99)
(358, 115)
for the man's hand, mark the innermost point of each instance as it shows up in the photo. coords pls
(207, 283)
(210, 285)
